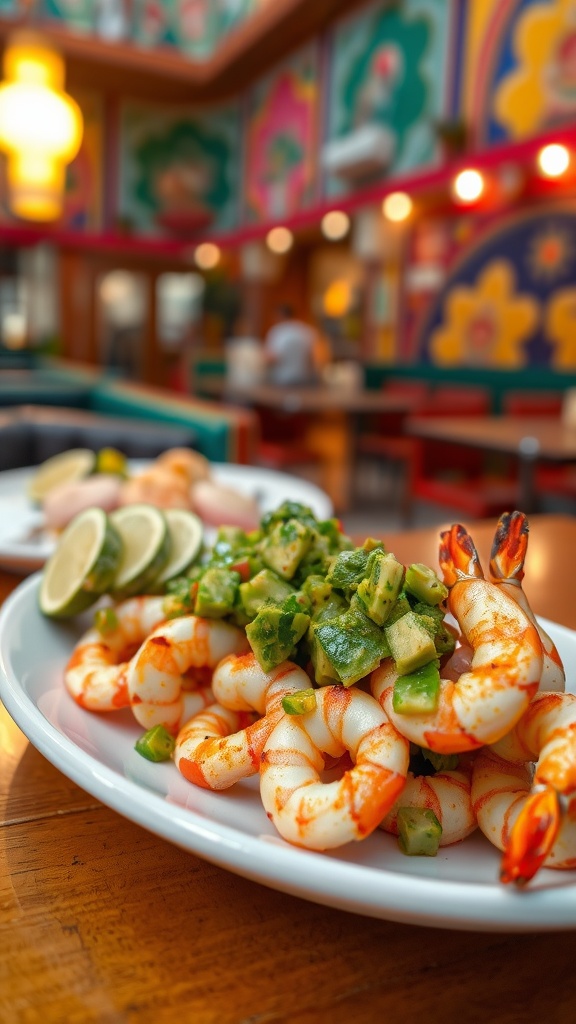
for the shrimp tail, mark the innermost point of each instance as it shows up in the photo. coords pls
(532, 837)
(458, 556)
(509, 547)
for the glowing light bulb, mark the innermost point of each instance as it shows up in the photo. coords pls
(397, 206)
(553, 160)
(279, 240)
(468, 186)
(335, 225)
(207, 255)
(40, 128)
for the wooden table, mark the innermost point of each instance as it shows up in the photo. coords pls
(336, 415)
(102, 922)
(531, 440)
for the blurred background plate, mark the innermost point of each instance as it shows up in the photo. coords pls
(25, 544)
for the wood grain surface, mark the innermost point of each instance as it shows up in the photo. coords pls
(101, 921)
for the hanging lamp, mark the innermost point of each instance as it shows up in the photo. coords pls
(40, 127)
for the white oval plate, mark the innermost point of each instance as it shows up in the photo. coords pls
(25, 544)
(457, 889)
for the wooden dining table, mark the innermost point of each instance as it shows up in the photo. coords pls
(532, 440)
(335, 416)
(102, 921)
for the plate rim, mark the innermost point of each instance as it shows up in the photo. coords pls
(453, 904)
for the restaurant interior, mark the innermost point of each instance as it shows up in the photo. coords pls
(330, 247)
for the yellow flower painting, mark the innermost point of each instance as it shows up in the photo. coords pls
(486, 324)
(542, 88)
(560, 328)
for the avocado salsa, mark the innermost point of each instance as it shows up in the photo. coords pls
(302, 590)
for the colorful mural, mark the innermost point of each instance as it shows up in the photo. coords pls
(179, 168)
(510, 301)
(195, 27)
(281, 134)
(390, 67)
(521, 67)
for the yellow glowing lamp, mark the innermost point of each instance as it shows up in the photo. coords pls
(40, 128)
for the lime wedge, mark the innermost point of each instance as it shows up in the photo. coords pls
(82, 565)
(65, 468)
(145, 548)
(186, 538)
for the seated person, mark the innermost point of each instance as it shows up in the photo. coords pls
(290, 351)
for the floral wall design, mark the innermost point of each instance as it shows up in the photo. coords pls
(390, 65)
(510, 301)
(281, 140)
(521, 67)
(179, 168)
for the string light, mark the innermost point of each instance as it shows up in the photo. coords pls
(397, 206)
(468, 186)
(279, 240)
(553, 160)
(335, 225)
(207, 256)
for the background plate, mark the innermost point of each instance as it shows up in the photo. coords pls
(456, 889)
(25, 545)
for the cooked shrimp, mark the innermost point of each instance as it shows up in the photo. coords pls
(507, 571)
(223, 744)
(447, 794)
(521, 813)
(156, 486)
(95, 675)
(322, 816)
(506, 666)
(156, 675)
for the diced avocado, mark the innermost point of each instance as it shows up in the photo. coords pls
(285, 547)
(419, 831)
(380, 590)
(417, 693)
(324, 601)
(264, 586)
(352, 643)
(299, 703)
(274, 633)
(433, 619)
(423, 582)
(399, 609)
(217, 592)
(324, 672)
(410, 643)
(348, 569)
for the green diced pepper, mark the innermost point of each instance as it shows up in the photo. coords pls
(156, 745)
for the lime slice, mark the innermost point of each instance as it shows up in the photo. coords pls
(82, 565)
(186, 538)
(145, 548)
(64, 468)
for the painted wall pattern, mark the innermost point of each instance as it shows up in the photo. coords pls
(521, 67)
(389, 66)
(281, 140)
(510, 301)
(179, 167)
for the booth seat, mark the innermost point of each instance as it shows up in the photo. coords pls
(222, 433)
(31, 434)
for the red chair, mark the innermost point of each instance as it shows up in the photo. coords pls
(452, 475)
(532, 403)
